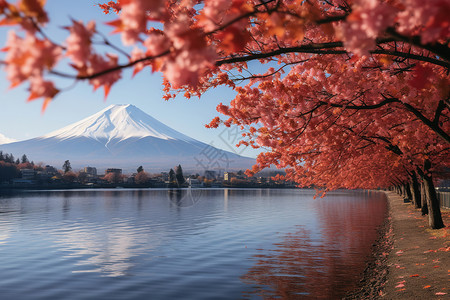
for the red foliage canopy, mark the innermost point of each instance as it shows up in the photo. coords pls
(353, 94)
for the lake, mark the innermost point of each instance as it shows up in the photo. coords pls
(185, 244)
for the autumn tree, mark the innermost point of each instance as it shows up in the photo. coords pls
(222, 36)
(26, 166)
(113, 177)
(142, 178)
(69, 177)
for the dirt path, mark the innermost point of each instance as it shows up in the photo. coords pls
(419, 262)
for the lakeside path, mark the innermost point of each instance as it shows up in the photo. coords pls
(419, 262)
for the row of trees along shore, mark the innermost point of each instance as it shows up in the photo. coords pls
(10, 167)
(341, 93)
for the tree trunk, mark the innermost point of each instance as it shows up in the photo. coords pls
(434, 209)
(423, 197)
(408, 191)
(415, 191)
(413, 196)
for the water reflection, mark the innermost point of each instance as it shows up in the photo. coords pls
(5, 228)
(5, 234)
(148, 244)
(187, 197)
(181, 197)
(100, 232)
(107, 250)
(305, 267)
(290, 270)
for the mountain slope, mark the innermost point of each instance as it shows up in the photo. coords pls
(118, 122)
(123, 136)
(5, 140)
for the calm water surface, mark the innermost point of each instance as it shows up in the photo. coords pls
(198, 244)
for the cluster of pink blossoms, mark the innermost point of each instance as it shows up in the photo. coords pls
(429, 19)
(134, 15)
(78, 44)
(27, 59)
(79, 49)
(368, 19)
(193, 35)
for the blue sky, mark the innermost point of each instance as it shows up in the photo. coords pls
(21, 120)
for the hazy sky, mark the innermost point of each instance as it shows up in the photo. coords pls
(21, 120)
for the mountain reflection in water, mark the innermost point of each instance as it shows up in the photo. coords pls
(101, 236)
(184, 244)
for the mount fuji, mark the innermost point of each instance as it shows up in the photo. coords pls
(123, 136)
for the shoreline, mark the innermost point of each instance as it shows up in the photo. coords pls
(374, 276)
(409, 260)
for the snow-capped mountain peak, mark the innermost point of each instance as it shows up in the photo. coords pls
(118, 122)
(6, 140)
(123, 136)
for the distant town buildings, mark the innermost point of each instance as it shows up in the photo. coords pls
(39, 176)
(90, 171)
(210, 175)
(227, 176)
(165, 176)
(28, 174)
(193, 182)
(50, 170)
(114, 171)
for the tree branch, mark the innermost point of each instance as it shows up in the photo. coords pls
(435, 127)
(431, 124)
(114, 69)
(439, 109)
(438, 49)
(327, 49)
(362, 107)
(409, 55)
(331, 19)
(252, 76)
(311, 48)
